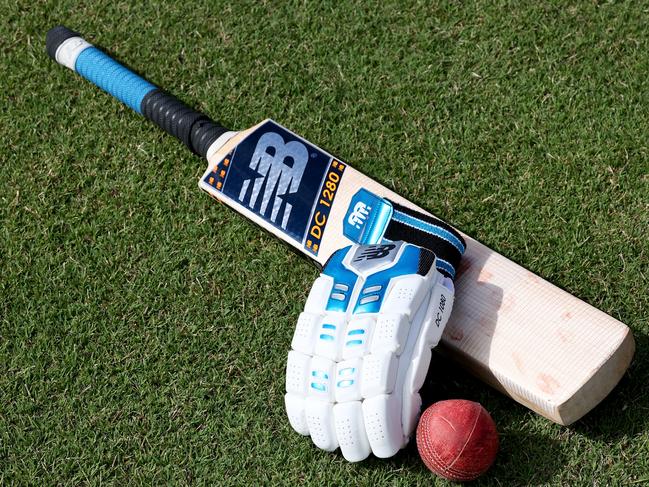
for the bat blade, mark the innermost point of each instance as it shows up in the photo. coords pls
(535, 342)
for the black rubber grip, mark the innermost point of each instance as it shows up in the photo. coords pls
(204, 132)
(196, 130)
(55, 37)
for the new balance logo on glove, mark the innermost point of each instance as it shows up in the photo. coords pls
(370, 252)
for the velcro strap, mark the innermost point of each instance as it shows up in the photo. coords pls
(428, 232)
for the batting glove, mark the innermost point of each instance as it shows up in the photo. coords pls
(362, 347)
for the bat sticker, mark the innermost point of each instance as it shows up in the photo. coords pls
(288, 182)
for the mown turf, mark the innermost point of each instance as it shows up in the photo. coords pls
(143, 328)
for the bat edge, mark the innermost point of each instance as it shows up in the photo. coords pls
(600, 384)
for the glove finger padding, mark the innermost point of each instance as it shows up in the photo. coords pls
(362, 347)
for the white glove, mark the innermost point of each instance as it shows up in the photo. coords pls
(362, 348)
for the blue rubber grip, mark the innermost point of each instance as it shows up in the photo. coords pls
(195, 129)
(112, 77)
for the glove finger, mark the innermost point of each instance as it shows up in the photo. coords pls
(379, 374)
(390, 333)
(320, 418)
(411, 399)
(357, 336)
(382, 417)
(319, 403)
(297, 368)
(295, 412)
(305, 330)
(348, 380)
(329, 334)
(350, 430)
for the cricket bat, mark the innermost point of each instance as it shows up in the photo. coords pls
(538, 344)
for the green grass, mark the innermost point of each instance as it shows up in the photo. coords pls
(143, 329)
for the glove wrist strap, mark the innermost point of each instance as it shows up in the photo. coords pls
(429, 232)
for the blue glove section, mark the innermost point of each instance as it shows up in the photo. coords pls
(411, 261)
(344, 281)
(110, 76)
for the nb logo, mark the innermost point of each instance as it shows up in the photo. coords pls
(359, 215)
(281, 166)
(375, 252)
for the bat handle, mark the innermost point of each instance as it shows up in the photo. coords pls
(194, 128)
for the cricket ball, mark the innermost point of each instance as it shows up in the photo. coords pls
(457, 439)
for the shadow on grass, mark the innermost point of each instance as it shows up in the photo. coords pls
(524, 457)
(526, 452)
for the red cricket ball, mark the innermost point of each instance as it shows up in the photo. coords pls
(457, 439)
